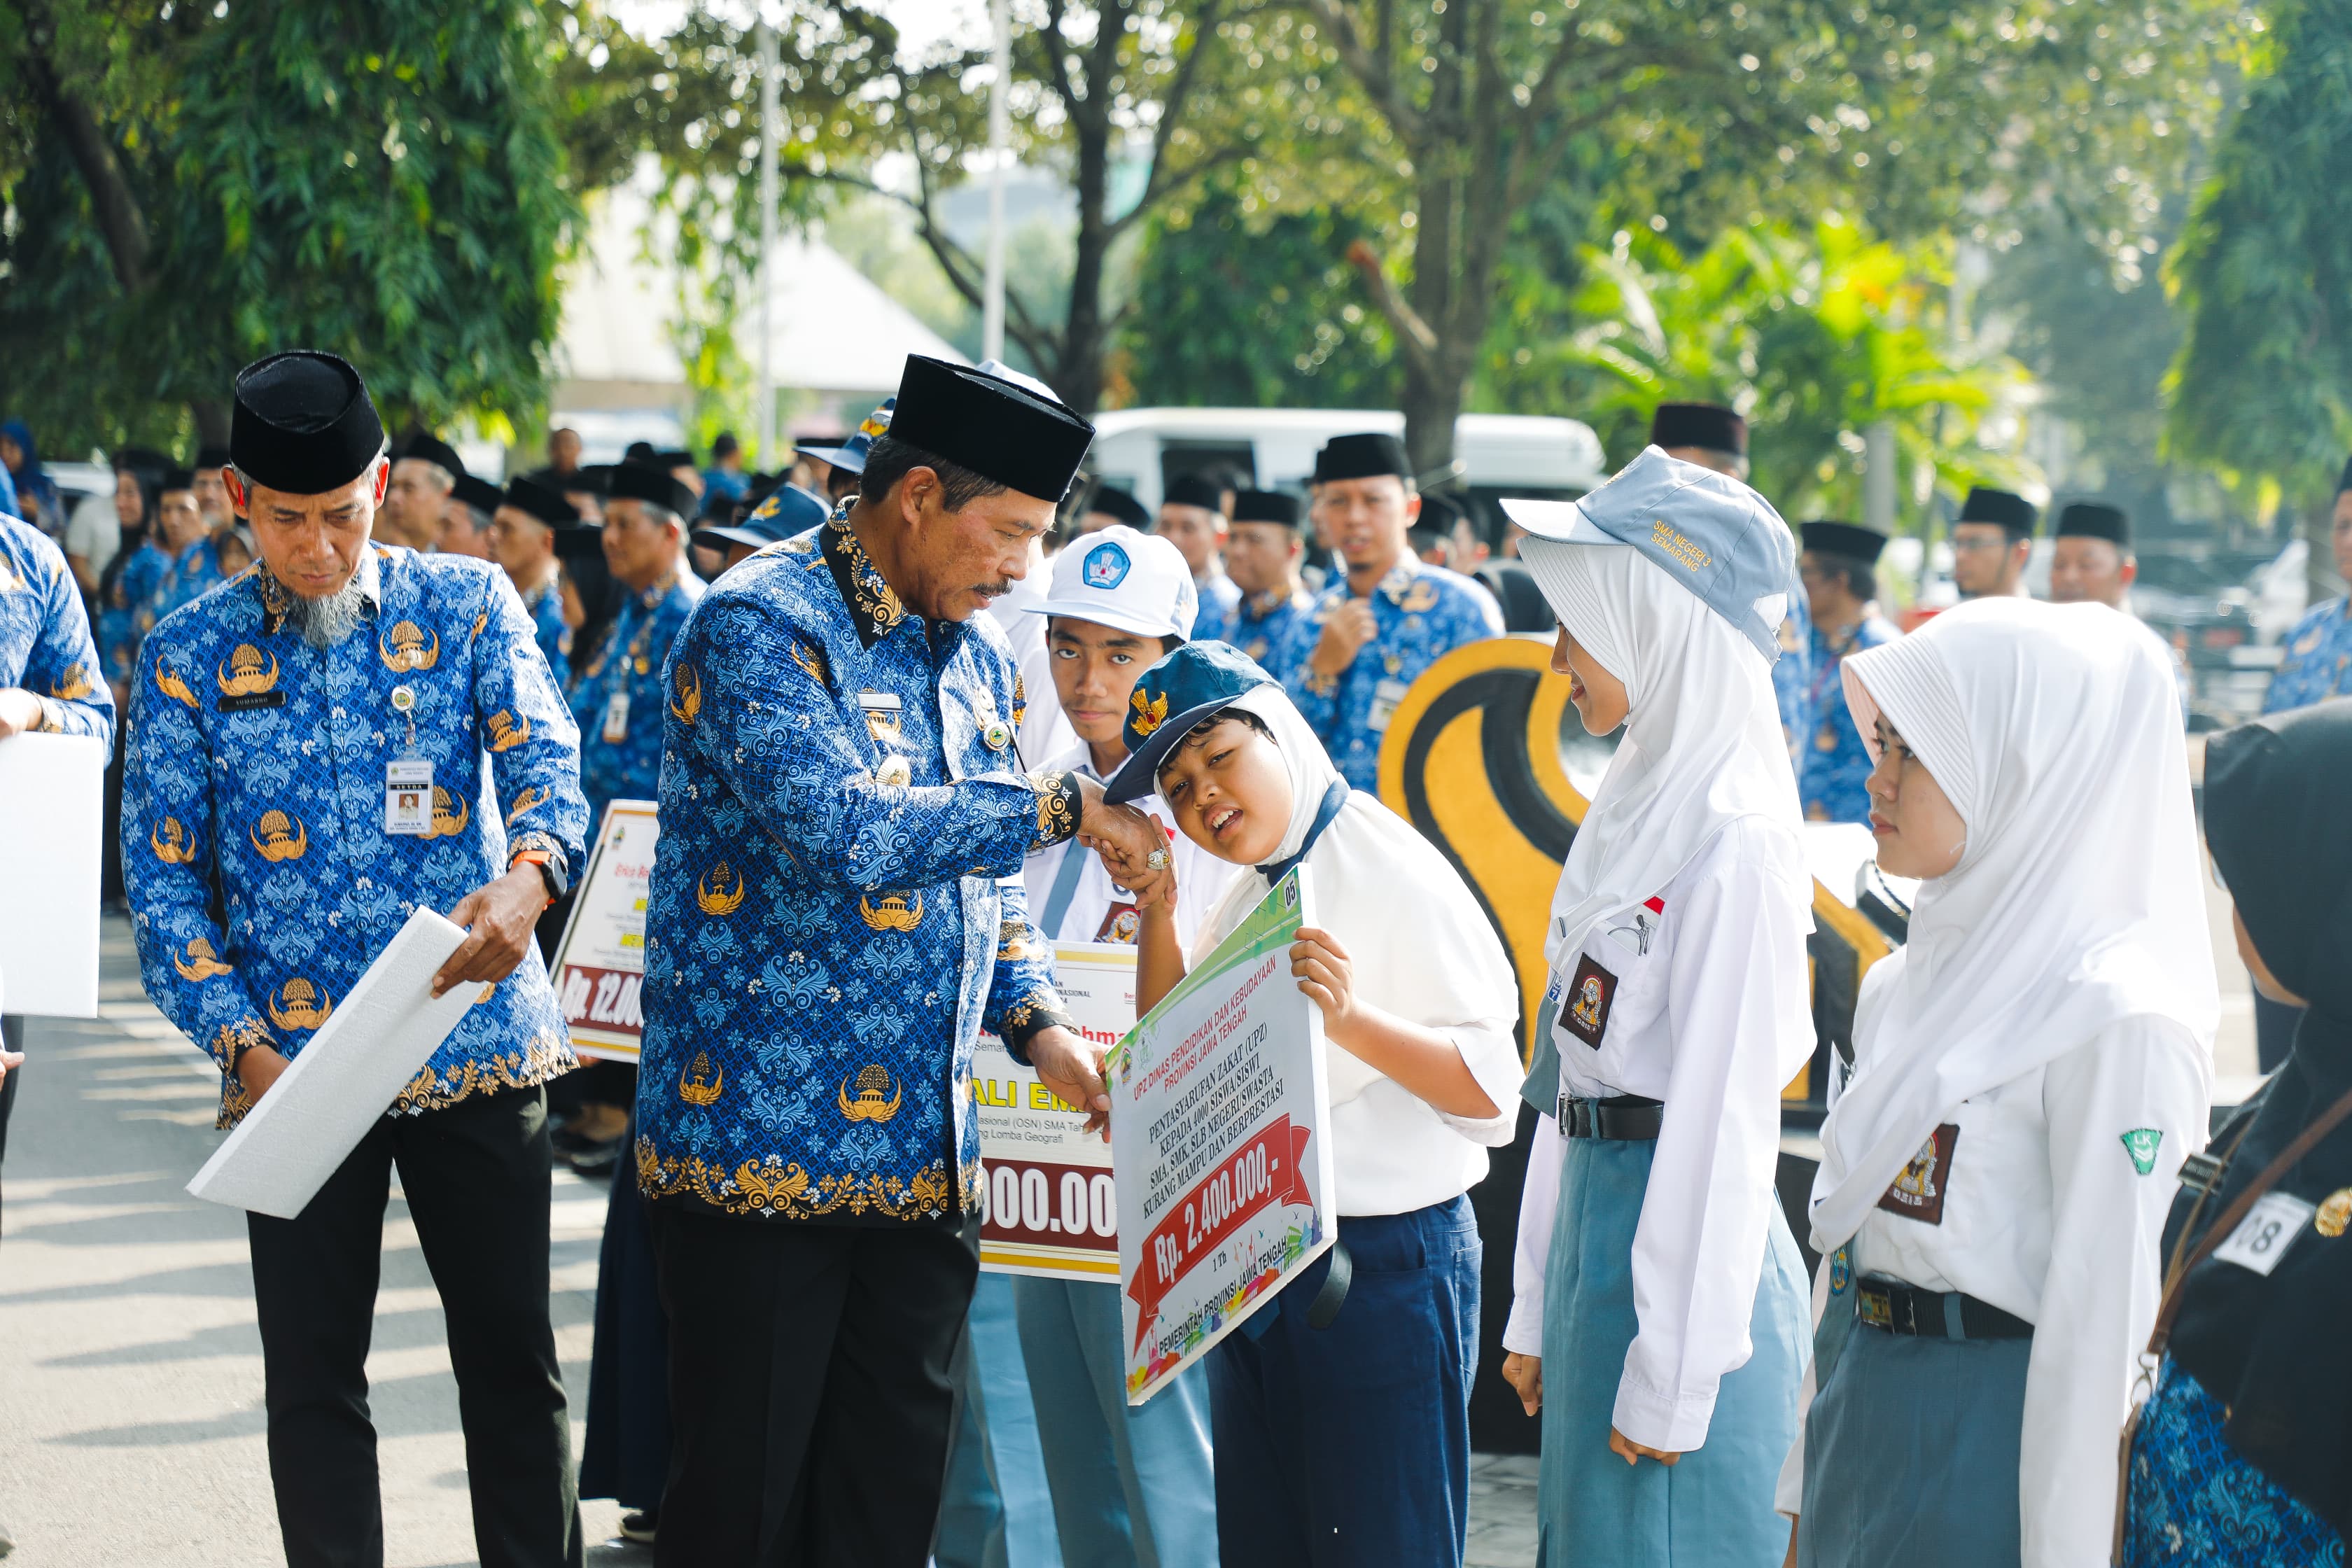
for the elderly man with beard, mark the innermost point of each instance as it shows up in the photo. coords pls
(307, 746)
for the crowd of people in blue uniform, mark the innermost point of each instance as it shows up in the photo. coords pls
(901, 709)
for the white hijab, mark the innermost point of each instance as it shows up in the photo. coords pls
(1703, 747)
(1420, 946)
(2055, 731)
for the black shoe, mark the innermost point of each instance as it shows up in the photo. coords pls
(639, 1526)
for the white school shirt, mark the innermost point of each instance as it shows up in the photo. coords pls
(1714, 1018)
(1095, 902)
(2047, 1215)
(1042, 728)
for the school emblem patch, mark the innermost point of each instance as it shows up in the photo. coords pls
(1840, 1270)
(1590, 994)
(2141, 1143)
(1106, 567)
(1918, 1192)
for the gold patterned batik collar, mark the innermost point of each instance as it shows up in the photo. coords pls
(278, 600)
(874, 606)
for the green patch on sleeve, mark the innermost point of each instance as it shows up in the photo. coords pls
(2141, 1143)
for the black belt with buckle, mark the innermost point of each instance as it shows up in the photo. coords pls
(1626, 1118)
(1891, 1307)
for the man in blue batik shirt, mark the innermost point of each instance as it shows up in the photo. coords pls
(1385, 617)
(1262, 555)
(1839, 569)
(618, 701)
(836, 912)
(2318, 661)
(522, 542)
(196, 568)
(307, 746)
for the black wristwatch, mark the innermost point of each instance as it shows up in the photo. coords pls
(550, 872)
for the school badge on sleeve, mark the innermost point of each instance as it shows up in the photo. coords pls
(1590, 994)
(1918, 1192)
(2141, 1143)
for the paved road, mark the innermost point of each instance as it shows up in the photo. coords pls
(131, 1419)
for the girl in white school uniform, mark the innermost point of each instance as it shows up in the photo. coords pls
(1342, 1437)
(1659, 1312)
(2030, 1071)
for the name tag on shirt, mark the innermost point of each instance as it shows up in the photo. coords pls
(1386, 696)
(408, 796)
(616, 717)
(2269, 1229)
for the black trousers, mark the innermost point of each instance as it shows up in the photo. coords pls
(811, 1396)
(476, 1177)
(12, 1038)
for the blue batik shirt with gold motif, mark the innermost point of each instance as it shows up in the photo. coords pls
(1262, 626)
(256, 762)
(2318, 661)
(1792, 680)
(1422, 613)
(625, 679)
(44, 642)
(194, 573)
(545, 603)
(837, 908)
(128, 614)
(1833, 764)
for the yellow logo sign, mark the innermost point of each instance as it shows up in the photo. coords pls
(719, 891)
(298, 1005)
(892, 914)
(1668, 538)
(275, 837)
(245, 673)
(687, 704)
(171, 685)
(173, 844)
(201, 963)
(873, 1083)
(405, 649)
(702, 1083)
(1150, 712)
(506, 733)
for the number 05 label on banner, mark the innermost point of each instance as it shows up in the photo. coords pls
(1052, 1209)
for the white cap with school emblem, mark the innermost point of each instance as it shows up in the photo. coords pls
(1117, 577)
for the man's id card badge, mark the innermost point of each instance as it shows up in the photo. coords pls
(616, 717)
(408, 796)
(1387, 697)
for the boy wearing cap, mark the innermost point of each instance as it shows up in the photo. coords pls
(1992, 539)
(1262, 555)
(1385, 616)
(618, 703)
(522, 542)
(343, 734)
(1839, 570)
(836, 912)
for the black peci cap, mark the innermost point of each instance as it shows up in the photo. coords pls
(1707, 425)
(2094, 520)
(478, 493)
(304, 423)
(178, 479)
(1194, 490)
(676, 457)
(1023, 440)
(211, 458)
(428, 447)
(1265, 506)
(645, 482)
(551, 506)
(2012, 512)
(1113, 501)
(1361, 457)
(1849, 540)
(143, 460)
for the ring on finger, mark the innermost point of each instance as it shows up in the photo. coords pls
(1157, 860)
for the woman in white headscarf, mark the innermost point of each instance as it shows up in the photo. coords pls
(1658, 1322)
(1342, 1439)
(2029, 1072)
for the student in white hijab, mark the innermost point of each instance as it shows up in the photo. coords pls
(1342, 1426)
(1658, 1320)
(2030, 1071)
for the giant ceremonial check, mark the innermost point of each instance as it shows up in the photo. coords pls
(1219, 1106)
(1051, 1208)
(600, 965)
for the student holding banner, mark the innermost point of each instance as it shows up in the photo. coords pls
(1341, 1406)
(1657, 1284)
(1131, 1484)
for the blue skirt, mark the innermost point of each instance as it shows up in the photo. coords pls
(2194, 1501)
(1714, 1508)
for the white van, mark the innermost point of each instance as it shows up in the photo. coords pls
(1141, 449)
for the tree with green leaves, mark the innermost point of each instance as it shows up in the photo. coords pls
(191, 189)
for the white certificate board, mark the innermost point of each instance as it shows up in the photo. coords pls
(1052, 1205)
(1220, 1111)
(52, 791)
(600, 965)
(379, 1038)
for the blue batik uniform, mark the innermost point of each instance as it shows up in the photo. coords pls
(1221, 598)
(129, 613)
(1792, 678)
(837, 908)
(545, 603)
(626, 678)
(1833, 764)
(1263, 624)
(44, 642)
(1422, 613)
(195, 572)
(2318, 662)
(257, 762)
